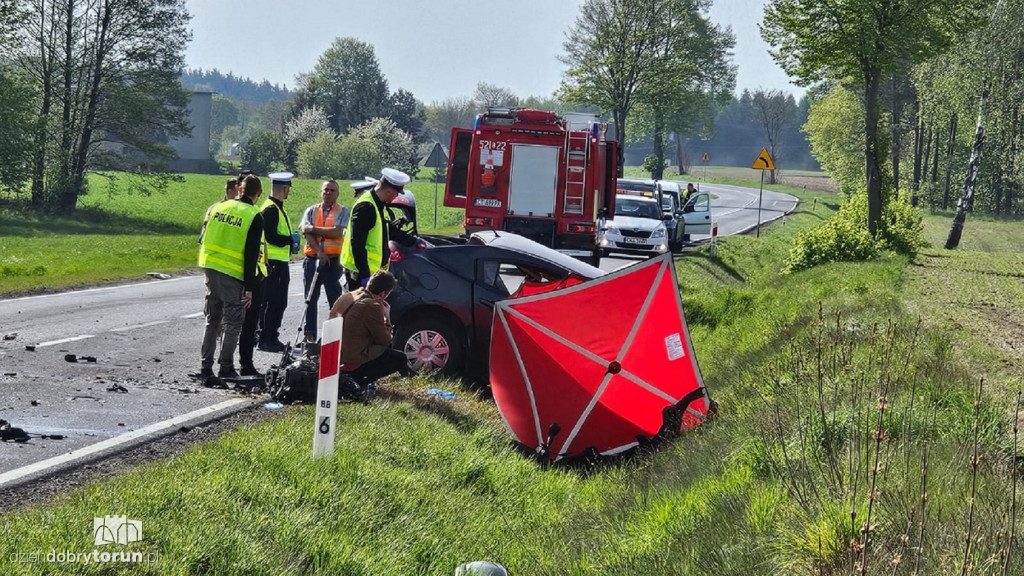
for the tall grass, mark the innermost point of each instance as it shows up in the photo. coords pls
(853, 437)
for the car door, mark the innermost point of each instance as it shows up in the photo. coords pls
(697, 214)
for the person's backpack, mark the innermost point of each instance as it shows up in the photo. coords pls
(297, 383)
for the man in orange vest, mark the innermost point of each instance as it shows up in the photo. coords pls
(323, 226)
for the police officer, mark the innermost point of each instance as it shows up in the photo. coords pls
(282, 241)
(370, 229)
(229, 255)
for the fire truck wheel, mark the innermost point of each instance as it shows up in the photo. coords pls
(432, 345)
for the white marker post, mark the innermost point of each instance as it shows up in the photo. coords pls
(714, 238)
(327, 389)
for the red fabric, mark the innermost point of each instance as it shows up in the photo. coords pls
(567, 341)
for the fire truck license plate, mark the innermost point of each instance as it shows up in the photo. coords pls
(630, 240)
(487, 202)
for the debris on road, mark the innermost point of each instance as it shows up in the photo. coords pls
(10, 336)
(117, 388)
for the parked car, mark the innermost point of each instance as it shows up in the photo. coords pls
(444, 303)
(638, 227)
(670, 205)
(695, 213)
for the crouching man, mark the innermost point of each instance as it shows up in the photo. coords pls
(366, 333)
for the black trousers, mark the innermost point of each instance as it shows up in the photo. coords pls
(275, 300)
(389, 362)
(247, 340)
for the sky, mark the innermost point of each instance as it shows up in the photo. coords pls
(435, 49)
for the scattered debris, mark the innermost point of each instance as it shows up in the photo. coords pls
(30, 347)
(10, 373)
(10, 336)
(442, 393)
(84, 397)
(157, 360)
(70, 358)
(273, 405)
(10, 434)
(88, 358)
(36, 403)
(159, 275)
(117, 388)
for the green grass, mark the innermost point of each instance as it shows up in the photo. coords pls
(120, 232)
(799, 364)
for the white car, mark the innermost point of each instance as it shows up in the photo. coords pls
(637, 228)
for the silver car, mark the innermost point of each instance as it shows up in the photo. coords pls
(637, 228)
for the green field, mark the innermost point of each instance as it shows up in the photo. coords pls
(845, 442)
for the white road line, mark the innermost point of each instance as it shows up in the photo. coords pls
(19, 473)
(63, 340)
(196, 315)
(146, 325)
(134, 285)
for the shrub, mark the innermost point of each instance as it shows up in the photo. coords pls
(844, 237)
(395, 147)
(902, 226)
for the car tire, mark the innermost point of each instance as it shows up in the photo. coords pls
(432, 346)
(594, 259)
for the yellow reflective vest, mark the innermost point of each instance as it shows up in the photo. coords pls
(223, 243)
(284, 228)
(374, 239)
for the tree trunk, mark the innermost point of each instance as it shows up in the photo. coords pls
(70, 199)
(966, 201)
(659, 145)
(874, 172)
(619, 116)
(918, 149)
(896, 129)
(680, 163)
(950, 148)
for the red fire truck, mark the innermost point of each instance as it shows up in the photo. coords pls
(536, 174)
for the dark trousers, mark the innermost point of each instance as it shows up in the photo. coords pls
(330, 278)
(389, 362)
(247, 340)
(352, 280)
(275, 300)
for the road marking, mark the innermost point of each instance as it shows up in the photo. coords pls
(18, 473)
(101, 289)
(146, 325)
(63, 340)
(196, 315)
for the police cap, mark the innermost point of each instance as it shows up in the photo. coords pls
(281, 178)
(395, 178)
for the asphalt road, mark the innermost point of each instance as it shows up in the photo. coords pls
(109, 367)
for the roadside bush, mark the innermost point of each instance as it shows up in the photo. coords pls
(902, 226)
(844, 237)
(838, 239)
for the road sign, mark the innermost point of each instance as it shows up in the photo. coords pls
(705, 157)
(764, 161)
(437, 157)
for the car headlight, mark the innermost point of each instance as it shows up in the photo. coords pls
(658, 232)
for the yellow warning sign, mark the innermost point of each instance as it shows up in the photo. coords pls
(764, 161)
(705, 157)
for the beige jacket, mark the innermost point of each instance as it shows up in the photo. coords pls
(366, 332)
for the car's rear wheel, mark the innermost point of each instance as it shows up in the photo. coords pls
(432, 346)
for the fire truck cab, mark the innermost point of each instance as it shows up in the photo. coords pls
(536, 174)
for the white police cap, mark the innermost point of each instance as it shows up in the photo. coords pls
(363, 185)
(396, 178)
(281, 178)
